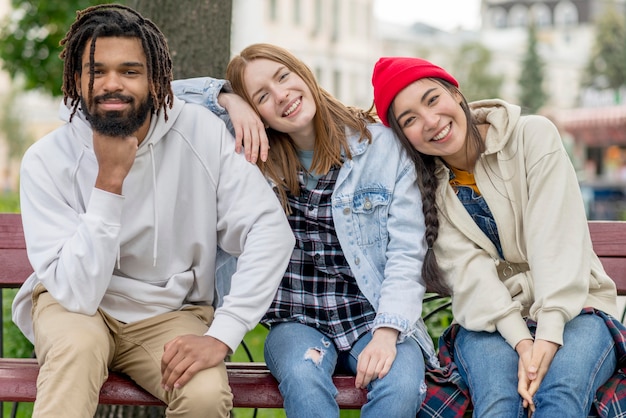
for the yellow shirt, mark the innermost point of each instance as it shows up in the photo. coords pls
(463, 178)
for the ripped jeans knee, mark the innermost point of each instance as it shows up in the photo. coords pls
(291, 348)
(316, 354)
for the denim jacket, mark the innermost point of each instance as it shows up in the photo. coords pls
(378, 220)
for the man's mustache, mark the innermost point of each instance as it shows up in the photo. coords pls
(114, 96)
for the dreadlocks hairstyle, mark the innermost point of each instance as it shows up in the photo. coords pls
(425, 165)
(330, 121)
(106, 20)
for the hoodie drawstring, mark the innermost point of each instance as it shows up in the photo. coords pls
(154, 203)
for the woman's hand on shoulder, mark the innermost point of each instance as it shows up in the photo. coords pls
(249, 129)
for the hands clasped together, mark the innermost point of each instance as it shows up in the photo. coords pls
(535, 358)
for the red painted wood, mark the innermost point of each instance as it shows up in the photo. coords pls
(11, 231)
(15, 267)
(252, 384)
(609, 238)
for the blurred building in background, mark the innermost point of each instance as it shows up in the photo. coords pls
(333, 37)
(593, 122)
(565, 31)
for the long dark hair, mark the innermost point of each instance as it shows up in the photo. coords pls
(427, 181)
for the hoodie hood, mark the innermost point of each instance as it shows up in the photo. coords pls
(502, 118)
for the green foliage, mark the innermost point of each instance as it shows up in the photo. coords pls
(532, 94)
(606, 68)
(15, 344)
(471, 69)
(9, 202)
(29, 41)
(438, 314)
(24, 409)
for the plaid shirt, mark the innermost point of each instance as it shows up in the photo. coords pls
(448, 396)
(318, 288)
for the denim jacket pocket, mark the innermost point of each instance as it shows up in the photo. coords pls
(369, 210)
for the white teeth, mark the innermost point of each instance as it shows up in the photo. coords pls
(442, 134)
(292, 108)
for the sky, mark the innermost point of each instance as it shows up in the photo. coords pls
(442, 14)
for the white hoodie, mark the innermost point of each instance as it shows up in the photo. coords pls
(152, 250)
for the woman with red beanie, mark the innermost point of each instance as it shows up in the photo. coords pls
(505, 217)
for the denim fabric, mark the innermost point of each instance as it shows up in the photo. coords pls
(478, 209)
(585, 362)
(204, 91)
(380, 225)
(303, 360)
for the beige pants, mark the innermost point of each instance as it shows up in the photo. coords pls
(76, 351)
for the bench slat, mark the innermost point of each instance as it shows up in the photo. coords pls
(609, 238)
(252, 384)
(11, 231)
(616, 269)
(15, 267)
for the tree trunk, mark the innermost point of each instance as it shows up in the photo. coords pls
(197, 31)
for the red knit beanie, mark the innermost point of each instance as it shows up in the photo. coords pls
(393, 74)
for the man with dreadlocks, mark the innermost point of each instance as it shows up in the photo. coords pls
(127, 210)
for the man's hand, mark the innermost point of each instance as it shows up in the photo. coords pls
(186, 355)
(115, 156)
(377, 357)
(249, 129)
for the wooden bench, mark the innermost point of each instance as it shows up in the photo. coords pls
(251, 383)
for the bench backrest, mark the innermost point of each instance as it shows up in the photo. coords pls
(609, 242)
(14, 265)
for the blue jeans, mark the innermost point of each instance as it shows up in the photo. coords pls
(303, 361)
(489, 366)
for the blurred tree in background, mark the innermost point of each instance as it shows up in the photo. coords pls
(532, 95)
(29, 41)
(199, 38)
(606, 68)
(471, 69)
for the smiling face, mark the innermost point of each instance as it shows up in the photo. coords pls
(282, 98)
(433, 121)
(121, 104)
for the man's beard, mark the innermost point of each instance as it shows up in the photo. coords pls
(117, 123)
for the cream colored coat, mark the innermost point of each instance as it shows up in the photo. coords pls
(550, 272)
